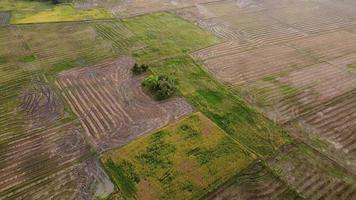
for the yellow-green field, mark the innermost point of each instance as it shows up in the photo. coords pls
(23, 12)
(182, 161)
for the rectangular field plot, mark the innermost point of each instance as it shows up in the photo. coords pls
(297, 92)
(311, 174)
(252, 65)
(254, 182)
(39, 154)
(159, 30)
(112, 105)
(85, 180)
(23, 11)
(60, 46)
(183, 161)
(335, 122)
(245, 24)
(328, 46)
(136, 7)
(311, 17)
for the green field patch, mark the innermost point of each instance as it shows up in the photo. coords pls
(351, 66)
(28, 59)
(182, 161)
(62, 66)
(23, 12)
(167, 35)
(3, 60)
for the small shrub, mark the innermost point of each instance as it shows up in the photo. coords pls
(139, 69)
(162, 87)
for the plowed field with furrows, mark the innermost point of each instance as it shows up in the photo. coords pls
(335, 122)
(111, 104)
(255, 182)
(254, 29)
(64, 43)
(328, 46)
(255, 64)
(314, 17)
(39, 154)
(297, 92)
(78, 181)
(313, 175)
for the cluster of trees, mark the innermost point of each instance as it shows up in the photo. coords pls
(139, 69)
(162, 87)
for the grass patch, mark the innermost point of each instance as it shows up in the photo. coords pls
(28, 59)
(351, 66)
(23, 12)
(183, 161)
(62, 67)
(167, 35)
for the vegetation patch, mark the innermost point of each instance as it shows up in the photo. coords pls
(23, 11)
(173, 165)
(139, 69)
(351, 66)
(162, 87)
(166, 35)
(28, 59)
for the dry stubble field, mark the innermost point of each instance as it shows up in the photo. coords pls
(293, 60)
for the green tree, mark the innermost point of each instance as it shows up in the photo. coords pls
(139, 69)
(162, 87)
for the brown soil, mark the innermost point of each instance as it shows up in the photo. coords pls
(111, 105)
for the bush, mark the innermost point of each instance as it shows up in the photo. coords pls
(162, 87)
(139, 69)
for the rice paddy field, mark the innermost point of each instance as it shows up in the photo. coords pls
(182, 161)
(264, 107)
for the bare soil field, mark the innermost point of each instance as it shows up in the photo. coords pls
(306, 81)
(85, 181)
(253, 65)
(292, 94)
(328, 46)
(255, 182)
(111, 104)
(4, 18)
(41, 104)
(334, 122)
(38, 155)
(311, 174)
